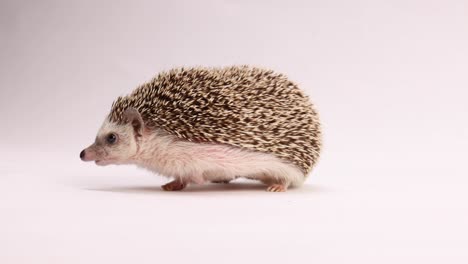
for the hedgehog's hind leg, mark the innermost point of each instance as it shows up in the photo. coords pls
(279, 176)
(275, 184)
(175, 185)
(277, 188)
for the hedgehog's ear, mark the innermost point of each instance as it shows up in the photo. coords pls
(133, 117)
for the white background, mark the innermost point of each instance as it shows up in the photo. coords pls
(389, 78)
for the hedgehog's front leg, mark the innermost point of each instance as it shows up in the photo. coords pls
(175, 185)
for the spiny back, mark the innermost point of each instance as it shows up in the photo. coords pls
(242, 106)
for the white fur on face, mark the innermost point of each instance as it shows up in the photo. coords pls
(122, 151)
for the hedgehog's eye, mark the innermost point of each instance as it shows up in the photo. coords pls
(111, 138)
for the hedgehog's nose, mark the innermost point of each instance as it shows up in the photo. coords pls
(82, 154)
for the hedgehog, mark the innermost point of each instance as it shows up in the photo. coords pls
(205, 124)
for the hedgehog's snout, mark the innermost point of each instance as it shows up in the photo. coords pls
(88, 154)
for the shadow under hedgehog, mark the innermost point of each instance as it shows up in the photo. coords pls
(200, 125)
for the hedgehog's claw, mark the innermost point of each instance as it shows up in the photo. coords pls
(175, 185)
(276, 188)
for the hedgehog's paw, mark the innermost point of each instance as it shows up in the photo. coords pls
(277, 188)
(175, 185)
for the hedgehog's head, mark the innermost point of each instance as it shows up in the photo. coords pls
(116, 142)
